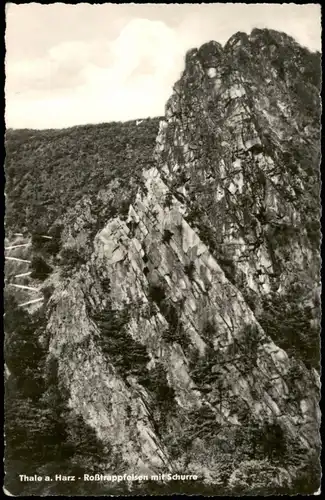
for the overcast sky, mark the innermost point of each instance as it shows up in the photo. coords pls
(70, 65)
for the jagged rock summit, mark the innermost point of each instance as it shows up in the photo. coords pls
(188, 338)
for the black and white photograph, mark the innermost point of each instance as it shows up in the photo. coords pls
(162, 290)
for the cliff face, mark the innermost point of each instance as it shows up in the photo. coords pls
(243, 124)
(187, 336)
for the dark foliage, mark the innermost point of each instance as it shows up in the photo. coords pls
(167, 236)
(249, 343)
(163, 396)
(42, 435)
(288, 323)
(47, 292)
(106, 285)
(132, 225)
(55, 168)
(38, 241)
(171, 312)
(133, 360)
(157, 294)
(115, 338)
(157, 383)
(71, 259)
(177, 334)
(189, 269)
(168, 200)
(308, 479)
(23, 353)
(53, 246)
(40, 269)
(203, 423)
(209, 332)
(205, 370)
(228, 267)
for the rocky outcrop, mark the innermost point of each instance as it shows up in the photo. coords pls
(241, 137)
(155, 249)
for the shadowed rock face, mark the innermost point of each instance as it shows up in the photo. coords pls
(214, 270)
(210, 54)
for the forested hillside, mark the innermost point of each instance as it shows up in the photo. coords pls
(48, 172)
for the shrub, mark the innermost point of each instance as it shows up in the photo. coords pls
(71, 259)
(38, 242)
(132, 225)
(176, 334)
(53, 246)
(307, 478)
(171, 314)
(228, 268)
(168, 203)
(40, 269)
(288, 322)
(106, 285)
(273, 442)
(156, 382)
(201, 369)
(48, 292)
(203, 423)
(189, 270)
(259, 477)
(157, 294)
(209, 332)
(114, 338)
(167, 236)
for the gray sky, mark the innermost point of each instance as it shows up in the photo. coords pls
(69, 65)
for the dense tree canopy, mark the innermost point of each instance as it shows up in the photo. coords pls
(48, 171)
